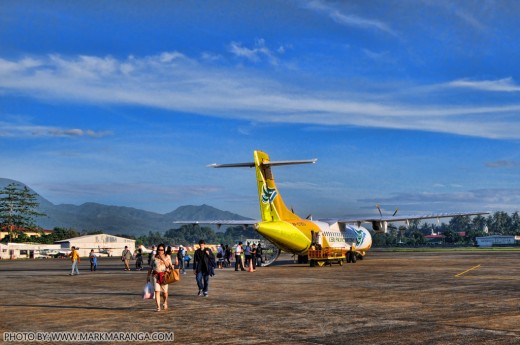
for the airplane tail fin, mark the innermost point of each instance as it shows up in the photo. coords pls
(272, 207)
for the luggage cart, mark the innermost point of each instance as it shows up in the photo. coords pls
(327, 256)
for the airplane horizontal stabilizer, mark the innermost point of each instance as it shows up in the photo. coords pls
(252, 164)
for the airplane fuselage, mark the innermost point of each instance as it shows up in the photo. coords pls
(296, 236)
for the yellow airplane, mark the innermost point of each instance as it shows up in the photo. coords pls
(293, 234)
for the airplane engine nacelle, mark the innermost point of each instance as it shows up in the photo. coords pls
(380, 226)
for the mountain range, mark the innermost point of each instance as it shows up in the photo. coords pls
(116, 219)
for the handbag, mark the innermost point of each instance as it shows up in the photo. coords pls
(172, 276)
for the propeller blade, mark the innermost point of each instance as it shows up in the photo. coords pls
(379, 209)
(397, 209)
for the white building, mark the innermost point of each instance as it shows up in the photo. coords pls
(490, 241)
(101, 243)
(28, 250)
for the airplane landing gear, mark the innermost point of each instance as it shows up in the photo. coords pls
(351, 257)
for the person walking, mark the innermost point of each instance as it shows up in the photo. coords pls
(93, 260)
(247, 254)
(228, 255)
(126, 255)
(259, 254)
(74, 257)
(160, 264)
(151, 255)
(139, 260)
(253, 256)
(180, 258)
(238, 257)
(203, 267)
(220, 256)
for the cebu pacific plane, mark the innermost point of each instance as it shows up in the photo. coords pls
(293, 234)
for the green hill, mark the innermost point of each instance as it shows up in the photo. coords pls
(117, 219)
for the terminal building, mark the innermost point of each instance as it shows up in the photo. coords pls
(496, 240)
(103, 244)
(13, 250)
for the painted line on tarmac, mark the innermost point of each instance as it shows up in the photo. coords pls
(493, 277)
(466, 271)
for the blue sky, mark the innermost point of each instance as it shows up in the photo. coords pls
(411, 104)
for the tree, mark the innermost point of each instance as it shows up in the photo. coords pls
(17, 208)
(516, 223)
(500, 223)
(460, 224)
(478, 223)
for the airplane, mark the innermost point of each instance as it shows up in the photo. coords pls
(144, 250)
(293, 234)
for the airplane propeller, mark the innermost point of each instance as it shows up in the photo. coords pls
(379, 209)
(381, 214)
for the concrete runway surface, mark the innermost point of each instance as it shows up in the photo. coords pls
(387, 298)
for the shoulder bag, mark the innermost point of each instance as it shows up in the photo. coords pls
(171, 276)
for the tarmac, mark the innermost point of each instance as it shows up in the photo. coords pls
(387, 298)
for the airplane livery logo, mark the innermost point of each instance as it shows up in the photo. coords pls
(360, 237)
(268, 194)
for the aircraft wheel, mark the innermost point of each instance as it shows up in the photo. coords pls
(360, 257)
(349, 257)
(354, 257)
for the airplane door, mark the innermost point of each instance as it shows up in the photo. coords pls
(317, 238)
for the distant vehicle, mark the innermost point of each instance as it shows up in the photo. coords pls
(288, 232)
(61, 255)
(45, 253)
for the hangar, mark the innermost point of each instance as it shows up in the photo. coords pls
(101, 243)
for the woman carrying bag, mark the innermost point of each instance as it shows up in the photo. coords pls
(160, 264)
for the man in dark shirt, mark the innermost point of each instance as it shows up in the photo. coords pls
(203, 267)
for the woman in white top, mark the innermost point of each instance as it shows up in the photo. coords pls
(160, 264)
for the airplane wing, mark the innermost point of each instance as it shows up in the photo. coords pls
(400, 218)
(359, 221)
(243, 222)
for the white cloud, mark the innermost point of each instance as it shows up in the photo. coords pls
(500, 85)
(14, 129)
(502, 164)
(175, 82)
(472, 200)
(257, 53)
(350, 20)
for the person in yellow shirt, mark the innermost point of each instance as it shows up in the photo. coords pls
(74, 257)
